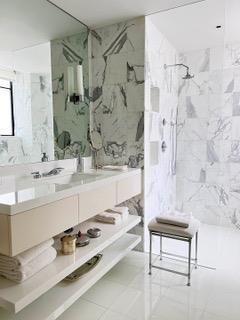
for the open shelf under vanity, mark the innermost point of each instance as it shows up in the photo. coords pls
(46, 296)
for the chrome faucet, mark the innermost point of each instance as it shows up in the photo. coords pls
(36, 175)
(52, 172)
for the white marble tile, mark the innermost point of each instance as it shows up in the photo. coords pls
(224, 304)
(135, 304)
(110, 315)
(198, 61)
(216, 57)
(215, 85)
(104, 293)
(167, 309)
(197, 86)
(232, 55)
(235, 128)
(192, 130)
(194, 171)
(192, 151)
(122, 273)
(84, 310)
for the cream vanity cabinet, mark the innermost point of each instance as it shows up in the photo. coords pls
(26, 229)
(21, 231)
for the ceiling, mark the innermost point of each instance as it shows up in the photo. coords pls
(194, 27)
(95, 13)
(25, 23)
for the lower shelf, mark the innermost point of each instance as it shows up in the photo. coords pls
(15, 297)
(58, 299)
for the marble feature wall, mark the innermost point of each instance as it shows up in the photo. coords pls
(32, 98)
(117, 108)
(42, 117)
(71, 121)
(161, 100)
(208, 159)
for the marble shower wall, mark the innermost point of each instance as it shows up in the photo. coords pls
(161, 99)
(117, 108)
(71, 121)
(32, 98)
(208, 166)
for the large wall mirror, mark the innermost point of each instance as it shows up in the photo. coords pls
(44, 83)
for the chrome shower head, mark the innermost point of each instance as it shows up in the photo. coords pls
(187, 76)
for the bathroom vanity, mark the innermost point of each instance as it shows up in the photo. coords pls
(39, 209)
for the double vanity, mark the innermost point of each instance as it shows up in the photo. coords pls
(39, 209)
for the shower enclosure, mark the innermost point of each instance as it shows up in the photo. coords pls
(192, 99)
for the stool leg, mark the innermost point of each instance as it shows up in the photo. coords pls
(150, 253)
(196, 251)
(189, 261)
(160, 237)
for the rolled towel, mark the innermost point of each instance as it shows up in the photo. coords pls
(24, 257)
(107, 217)
(174, 220)
(22, 273)
(123, 211)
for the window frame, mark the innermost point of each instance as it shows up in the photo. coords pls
(12, 110)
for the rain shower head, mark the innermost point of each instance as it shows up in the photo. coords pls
(187, 76)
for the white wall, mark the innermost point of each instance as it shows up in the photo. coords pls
(161, 99)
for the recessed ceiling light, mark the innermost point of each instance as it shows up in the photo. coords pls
(218, 27)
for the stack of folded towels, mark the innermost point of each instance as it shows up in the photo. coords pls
(114, 215)
(28, 263)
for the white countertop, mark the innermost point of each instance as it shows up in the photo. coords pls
(30, 193)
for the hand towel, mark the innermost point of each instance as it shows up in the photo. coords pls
(22, 273)
(123, 211)
(26, 256)
(107, 217)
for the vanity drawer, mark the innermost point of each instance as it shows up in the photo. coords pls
(97, 200)
(4, 234)
(32, 227)
(128, 188)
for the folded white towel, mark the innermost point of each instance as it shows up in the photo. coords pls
(22, 273)
(26, 256)
(107, 217)
(123, 211)
(174, 221)
(175, 218)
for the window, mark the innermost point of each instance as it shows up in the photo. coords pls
(6, 108)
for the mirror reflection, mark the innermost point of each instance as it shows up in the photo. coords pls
(44, 83)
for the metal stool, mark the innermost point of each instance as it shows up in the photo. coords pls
(175, 232)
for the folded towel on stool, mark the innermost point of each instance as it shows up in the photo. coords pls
(22, 273)
(175, 220)
(25, 257)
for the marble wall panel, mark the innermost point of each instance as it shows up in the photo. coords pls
(117, 97)
(209, 136)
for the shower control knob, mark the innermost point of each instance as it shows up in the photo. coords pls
(164, 146)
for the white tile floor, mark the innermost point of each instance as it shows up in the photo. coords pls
(128, 292)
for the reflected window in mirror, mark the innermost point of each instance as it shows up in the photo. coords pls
(6, 106)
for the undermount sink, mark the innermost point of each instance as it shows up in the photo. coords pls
(73, 178)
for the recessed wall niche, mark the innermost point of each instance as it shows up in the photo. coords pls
(155, 98)
(154, 153)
